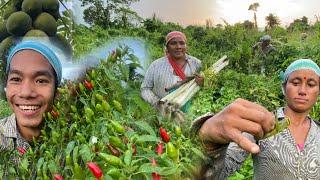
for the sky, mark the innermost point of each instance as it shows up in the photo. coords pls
(195, 12)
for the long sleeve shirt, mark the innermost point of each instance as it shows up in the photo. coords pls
(160, 75)
(279, 156)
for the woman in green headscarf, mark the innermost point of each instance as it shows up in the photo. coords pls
(243, 126)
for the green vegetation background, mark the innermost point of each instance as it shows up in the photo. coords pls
(240, 79)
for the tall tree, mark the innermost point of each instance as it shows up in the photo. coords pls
(209, 23)
(253, 7)
(152, 24)
(248, 24)
(109, 13)
(272, 21)
(299, 24)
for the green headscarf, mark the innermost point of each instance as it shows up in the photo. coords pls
(297, 65)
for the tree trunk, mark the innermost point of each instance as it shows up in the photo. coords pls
(255, 20)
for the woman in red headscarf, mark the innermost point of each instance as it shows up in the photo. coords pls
(167, 71)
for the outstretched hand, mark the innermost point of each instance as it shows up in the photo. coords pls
(240, 116)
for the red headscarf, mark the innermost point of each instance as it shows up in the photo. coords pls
(174, 34)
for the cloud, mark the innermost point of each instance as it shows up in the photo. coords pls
(179, 11)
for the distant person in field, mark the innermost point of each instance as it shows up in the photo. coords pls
(303, 36)
(230, 135)
(170, 69)
(33, 73)
(261, 50)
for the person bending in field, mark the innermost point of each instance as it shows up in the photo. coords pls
(261, 51)
(240, 129)
(165, 72)
(33, 73)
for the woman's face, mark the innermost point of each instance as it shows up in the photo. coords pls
(302, 90)
(177, 48)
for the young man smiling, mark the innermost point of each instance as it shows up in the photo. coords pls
(33, 73)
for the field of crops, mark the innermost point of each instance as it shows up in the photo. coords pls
(101, 122)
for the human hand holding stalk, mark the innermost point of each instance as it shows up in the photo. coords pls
(279, 127)
(240, 116)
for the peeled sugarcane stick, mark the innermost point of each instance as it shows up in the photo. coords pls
(192, 89)
(186, 91)
(176, 93)
(172, 103)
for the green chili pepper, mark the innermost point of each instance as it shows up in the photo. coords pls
(110, 159)
(99, 97)
(49, 116)
(117, 105)
(82, 88)
(105, 105)
(118, 127)
(99, 107)
(177, 131)
(73, 108)
(114, 173)
(88, 112)
(117, 142)
(172, 152)
(279, 126)
(68, 160)
(77, 171)
(93, 74)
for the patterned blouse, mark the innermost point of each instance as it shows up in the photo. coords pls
(160, 75)
(10, 137)
(279, 157)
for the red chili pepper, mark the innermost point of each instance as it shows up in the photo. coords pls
(95, 169)
(114, 151)
(57, 177)
(88, 85)
(55, 114)
(164, 135)
(134, 148)
(155, 175)
(159, 148)
(21, 150)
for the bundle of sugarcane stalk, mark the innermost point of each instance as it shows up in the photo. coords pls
(171, 104)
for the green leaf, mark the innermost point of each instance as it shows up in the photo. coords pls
(52, 167)
(75, 154)
(24, 165)
(128, 157)
(70, 147)
(148, 168)
(85, 153)
(198, 153)
(148, 138)
(40, 162)
(168, 171)
(146, 127)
